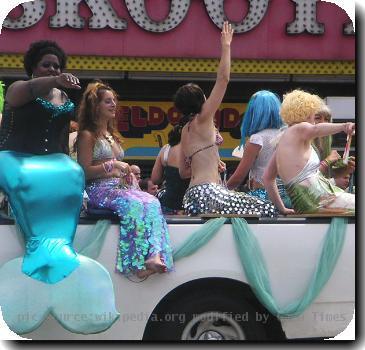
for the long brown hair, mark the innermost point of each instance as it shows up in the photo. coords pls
(87, 116)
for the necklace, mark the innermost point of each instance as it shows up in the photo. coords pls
(109, 138)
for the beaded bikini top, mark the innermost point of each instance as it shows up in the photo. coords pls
(218, 142)
(103, 150)
(66, 107)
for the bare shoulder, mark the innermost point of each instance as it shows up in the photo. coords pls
(17, 84)
(302, 126)
(162, 150)
(299, 130)
(86, 135)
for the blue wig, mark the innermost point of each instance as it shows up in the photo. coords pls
(262, 112)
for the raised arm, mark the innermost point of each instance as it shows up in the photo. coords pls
(21, 92)
(216, 96)
(249, 155)
(308, 131)
(271, 187)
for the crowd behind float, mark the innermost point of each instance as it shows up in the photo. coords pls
(285, 154)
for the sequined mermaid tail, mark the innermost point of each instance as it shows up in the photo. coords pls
(262, 193)
(45, 193)
(316, 194)
(209, 198)
(143, 229)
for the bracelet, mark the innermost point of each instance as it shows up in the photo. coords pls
(324, 163)
(329, 163)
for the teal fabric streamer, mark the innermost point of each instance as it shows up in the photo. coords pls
(199, 238)
(253, 263)
(93, 247)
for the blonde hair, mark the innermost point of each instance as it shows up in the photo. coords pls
(325, 112)
(298, 105)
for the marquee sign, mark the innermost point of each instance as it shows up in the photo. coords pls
(144, 126)
(275, 29)
(103, 15)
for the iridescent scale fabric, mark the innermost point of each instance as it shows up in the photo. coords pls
(209, 198)
(143, 229)
(262, 193)
(56, 111)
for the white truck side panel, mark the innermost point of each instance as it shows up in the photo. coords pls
(291, 252)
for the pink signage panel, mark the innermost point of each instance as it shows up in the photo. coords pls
(196, 36)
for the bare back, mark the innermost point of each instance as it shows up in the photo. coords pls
(204, 164)
(292, 153)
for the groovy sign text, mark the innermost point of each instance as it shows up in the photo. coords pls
(104, 16)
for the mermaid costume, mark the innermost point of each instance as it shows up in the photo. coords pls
(45, 190)
(311, 192)
(143, 229)
(213, 198)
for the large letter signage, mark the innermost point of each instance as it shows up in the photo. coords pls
(305, 18)
(348, 29)
(254, 15)
(103, 15)
(178, 11)
(32, 14)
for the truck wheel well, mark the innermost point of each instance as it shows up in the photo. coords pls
(218, 286)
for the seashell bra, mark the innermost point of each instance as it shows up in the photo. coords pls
(103, 150)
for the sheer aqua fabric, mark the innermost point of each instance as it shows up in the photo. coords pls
(253, 263)
(92, 247)
(198, 239)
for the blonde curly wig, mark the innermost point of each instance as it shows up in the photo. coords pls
(298, 105)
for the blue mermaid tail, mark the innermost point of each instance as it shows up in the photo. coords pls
(45, 194)
(82, 303)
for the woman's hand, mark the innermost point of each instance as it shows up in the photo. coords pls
(349, 128)
(333, 156)
(287, 211)
(227, 33)
(343, 171)
(67, 80)
(123, 167)
(221, 166)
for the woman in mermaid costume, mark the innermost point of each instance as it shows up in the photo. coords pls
(144, 246)
(199, 157)
(297, 163)
(45, 187)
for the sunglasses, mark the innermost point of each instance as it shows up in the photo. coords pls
(55, 66)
